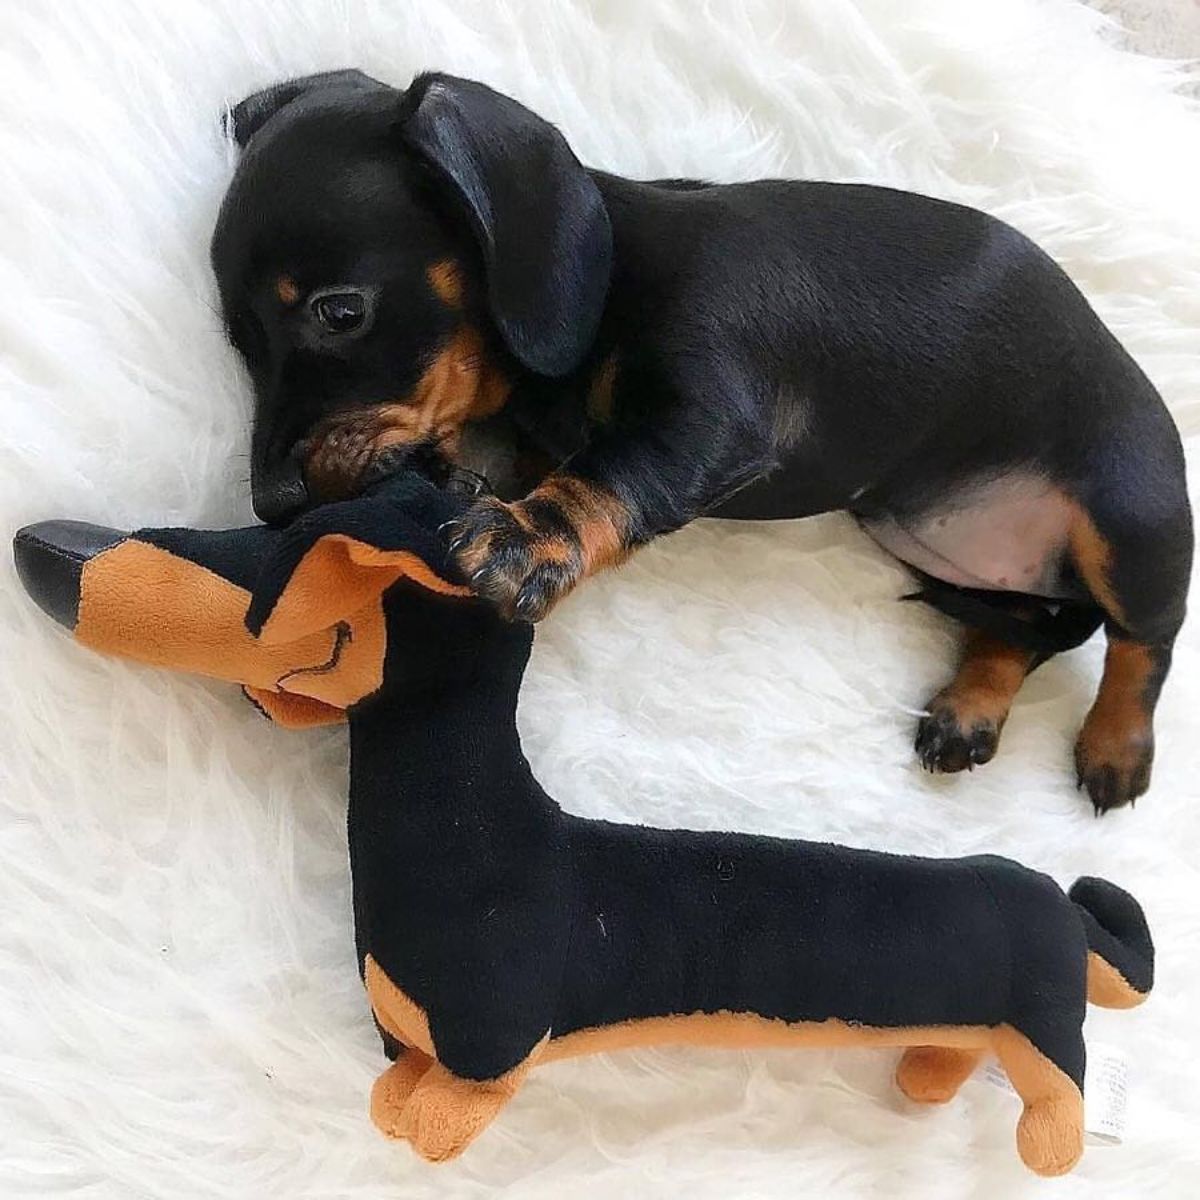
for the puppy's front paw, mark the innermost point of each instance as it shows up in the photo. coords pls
(522, 566)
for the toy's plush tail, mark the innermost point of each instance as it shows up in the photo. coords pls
(1120, 950)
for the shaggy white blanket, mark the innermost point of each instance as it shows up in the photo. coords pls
(179, 1011)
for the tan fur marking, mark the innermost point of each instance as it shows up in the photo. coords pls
(554, 550)
(288, 290)
(446, 279)
(600, 392)
(1118, 728)
(599, 519)
(1092, 557)
(460, 385)
(988, 678)
(1107, 987)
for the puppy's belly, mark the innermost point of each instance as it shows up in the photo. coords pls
(1008, 534)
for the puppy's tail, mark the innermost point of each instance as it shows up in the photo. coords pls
(1120, 950)
(1031, 623)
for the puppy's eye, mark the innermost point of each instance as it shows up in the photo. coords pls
(340, 312)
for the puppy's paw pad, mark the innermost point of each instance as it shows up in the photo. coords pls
(508, 560)
(946, 742)
(1114, 772)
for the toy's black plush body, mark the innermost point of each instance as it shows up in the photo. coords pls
(418, 270)
(496, 931)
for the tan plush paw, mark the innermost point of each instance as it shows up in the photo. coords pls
(391, 1091)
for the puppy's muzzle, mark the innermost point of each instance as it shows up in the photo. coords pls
(281, 494)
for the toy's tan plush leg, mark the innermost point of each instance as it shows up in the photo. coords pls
(445, 1113)
(933, 1074)
(1050, 1132)
(393, 1088)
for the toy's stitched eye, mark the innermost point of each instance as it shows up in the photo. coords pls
(340, 312)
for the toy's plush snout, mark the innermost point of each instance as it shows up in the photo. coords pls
(50, 558)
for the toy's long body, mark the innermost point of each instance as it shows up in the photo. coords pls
(606, 924)
(495, 932)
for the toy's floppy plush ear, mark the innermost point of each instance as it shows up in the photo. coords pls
(340, 558)
(198, 601)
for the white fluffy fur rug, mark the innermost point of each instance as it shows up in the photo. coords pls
(179, 1011)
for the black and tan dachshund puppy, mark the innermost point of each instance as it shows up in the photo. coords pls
(405, 271)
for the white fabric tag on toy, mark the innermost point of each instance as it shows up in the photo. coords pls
(1105, 1092)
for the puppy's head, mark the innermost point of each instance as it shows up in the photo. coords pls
(389, 262)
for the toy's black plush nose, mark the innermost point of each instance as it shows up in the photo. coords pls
(50, 558)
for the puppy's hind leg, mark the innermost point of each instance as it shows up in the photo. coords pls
(962, 728)
(1136, 561)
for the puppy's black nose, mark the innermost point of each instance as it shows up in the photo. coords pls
(278, 492)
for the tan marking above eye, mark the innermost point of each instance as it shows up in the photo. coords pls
(288, 290)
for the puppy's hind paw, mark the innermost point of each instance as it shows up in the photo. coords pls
(1114, 772)
(944, 744)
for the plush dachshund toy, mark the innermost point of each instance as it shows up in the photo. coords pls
(496, 932)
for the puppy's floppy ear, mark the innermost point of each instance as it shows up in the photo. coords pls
(245, 119)
(333, 562)
(536, 214)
